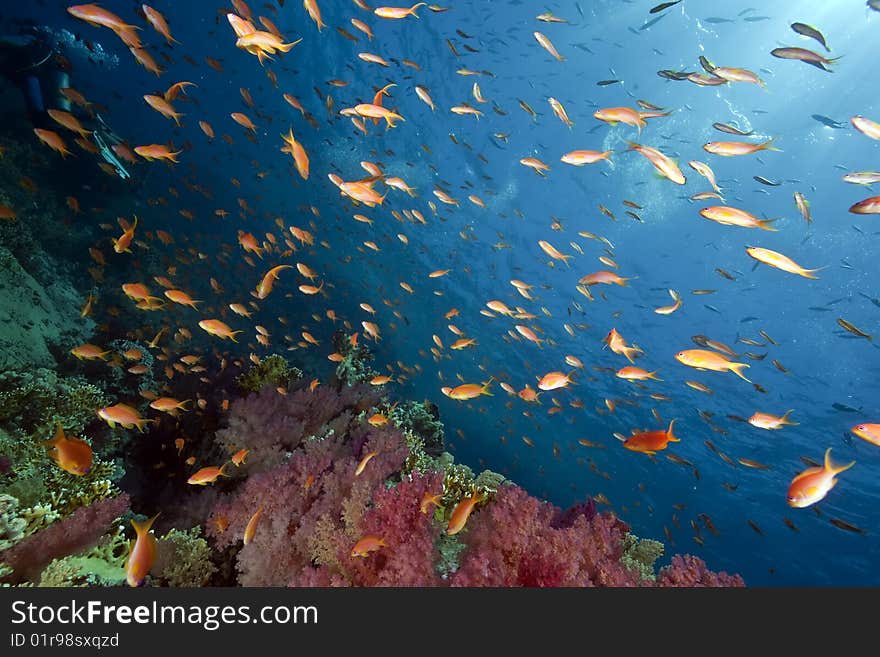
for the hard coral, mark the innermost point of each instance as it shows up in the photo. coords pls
(183, 559)
(272, 371)
(35, 399)
(12, 525)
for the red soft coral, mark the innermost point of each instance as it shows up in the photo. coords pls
(689, 570)
(512, 541)
(410, 536)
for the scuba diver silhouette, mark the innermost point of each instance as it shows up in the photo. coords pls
(31, 60)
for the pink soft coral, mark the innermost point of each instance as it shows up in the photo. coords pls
(313, 506)
(315, 509)
(512, 541)
(689, 570)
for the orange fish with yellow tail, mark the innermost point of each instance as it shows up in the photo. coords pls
(462, 512)
(651, 442)
(813, 484)
(703, 359)
(141, 552)
(71, 454)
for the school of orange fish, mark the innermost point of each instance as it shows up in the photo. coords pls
(268, 44)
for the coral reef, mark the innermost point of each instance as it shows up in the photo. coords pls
(183, 559)
(640, 554)
(423, 420)
(79, 531)
(43, 491)
(691, 571)
(34, 320)
(12, 525)
(35, 399)
(355, 364)
(272, 371)
(271, 425)
(102, 565)
(315, 509)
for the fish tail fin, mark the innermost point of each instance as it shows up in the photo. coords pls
(785, 419)
(233, 334)
(57, 438)
(737, 369)
(652, 375)
(632, 146)
(669, 434)
(140, 424)
(412, 10)
(485, 389)
(811, 273)
(143, 526)
(764, 224)
(768, 145)
(285, 47)
(833, 467)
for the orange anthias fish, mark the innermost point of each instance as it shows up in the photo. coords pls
(296, 150)
(428, 499)
(703, 359)
(651, 442)
(606, 277)
(618, 345)
(869, 432)
(664, 164)
(470, 391)
(122, 244)
(366, 545)
(157, 152)
(251, 528)
(159, 23)
(95, 15)
(69, 121)
(363, 462)
(768, 421)
(239, 457)
(547, 45)
(779, 261)
(813, 484)
(169, 405)
(265, 286)
(53, 141)
(141, 552)
(462, 512)
(90, 352)
(554, 380)
(207, 475)
(71, 454)
(219, 329)
(123, 414)
(398, 12)
(732, 148)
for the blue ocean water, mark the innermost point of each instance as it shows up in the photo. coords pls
(830, 375)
